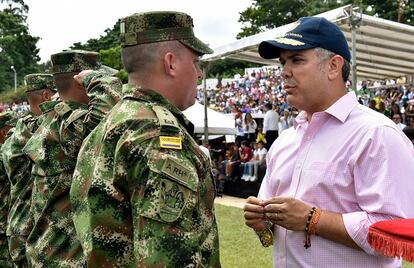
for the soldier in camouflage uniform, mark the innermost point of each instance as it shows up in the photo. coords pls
(142, 191)
(39, 89)
(54, 148)
(7, 122)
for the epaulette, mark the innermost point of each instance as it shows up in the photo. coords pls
(170, 137)
(168, 123)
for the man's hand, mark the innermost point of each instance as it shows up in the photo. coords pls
(287, 212)
(80, 76)
(254, 213)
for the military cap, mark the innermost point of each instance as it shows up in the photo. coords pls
(72, 61)
(159, 26)
(308, 32)
(8, 119)
(35, 82)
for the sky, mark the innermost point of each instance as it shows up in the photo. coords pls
(60, 23)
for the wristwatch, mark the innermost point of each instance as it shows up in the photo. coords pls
(266, 236)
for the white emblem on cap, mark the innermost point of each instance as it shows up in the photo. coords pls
(289, 41)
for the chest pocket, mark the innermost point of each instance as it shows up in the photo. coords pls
(171, 190)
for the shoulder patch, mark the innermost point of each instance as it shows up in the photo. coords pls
(178, 170)
(165, 117)
(62, 108)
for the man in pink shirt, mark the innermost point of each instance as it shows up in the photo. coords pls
(341, 168)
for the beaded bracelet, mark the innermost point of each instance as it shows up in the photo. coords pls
(307, 242)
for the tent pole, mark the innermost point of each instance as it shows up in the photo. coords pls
(354, 66)
(205, 104)
(355, 21)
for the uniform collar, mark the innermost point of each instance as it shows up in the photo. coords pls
(47, 106)
(150, 96)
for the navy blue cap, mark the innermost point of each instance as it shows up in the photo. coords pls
(309, 32)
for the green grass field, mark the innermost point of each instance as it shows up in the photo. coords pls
(239, 246)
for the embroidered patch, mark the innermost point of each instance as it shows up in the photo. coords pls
(175, 170)
(165, 117)
(172, 200)
(170, 142)
(288, 41)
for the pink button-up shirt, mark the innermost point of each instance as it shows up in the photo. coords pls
(350, 160)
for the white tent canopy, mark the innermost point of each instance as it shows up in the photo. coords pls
(218, 123)
(384, 49)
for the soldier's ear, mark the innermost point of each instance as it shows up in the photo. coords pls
(170, 64)
(46, 95)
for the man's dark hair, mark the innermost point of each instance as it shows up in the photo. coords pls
(269, 106)
(245, 143)
(409, 132)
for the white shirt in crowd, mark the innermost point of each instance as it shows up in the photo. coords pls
(239, 127)
(401, 126)
(249, 128)
(271, 121)
(260, 154)
(285, 124)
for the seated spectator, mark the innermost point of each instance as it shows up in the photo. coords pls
(246, 154)
(252, 167)
(230, 166)
(372, 103)
(382, 109)
(397, 120)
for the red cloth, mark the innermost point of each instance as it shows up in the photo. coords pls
(393, 238)
(247, 154)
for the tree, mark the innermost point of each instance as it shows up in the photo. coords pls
(227, 68)
(109, 49)
(17, 46)
(268, 14)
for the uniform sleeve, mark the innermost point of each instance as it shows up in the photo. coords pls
(102, 211)
(383, 175)
(103, 92)
(15, 161)
(4, 198)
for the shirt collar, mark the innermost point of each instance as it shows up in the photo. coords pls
(340, 109)
(343, 107)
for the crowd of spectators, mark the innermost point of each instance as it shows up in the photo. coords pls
(259, 92)
(15, 107)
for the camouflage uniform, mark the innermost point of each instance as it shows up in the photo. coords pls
(7, 119)
(54, 148)
(18, 167)
(142, 191)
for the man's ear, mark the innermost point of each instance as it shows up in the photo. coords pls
(46, 95)
(335, 67)
(170, 64)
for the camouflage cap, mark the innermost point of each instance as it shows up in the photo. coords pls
(151, 27)
(72, 61)
(35, 82)
(8, 119)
